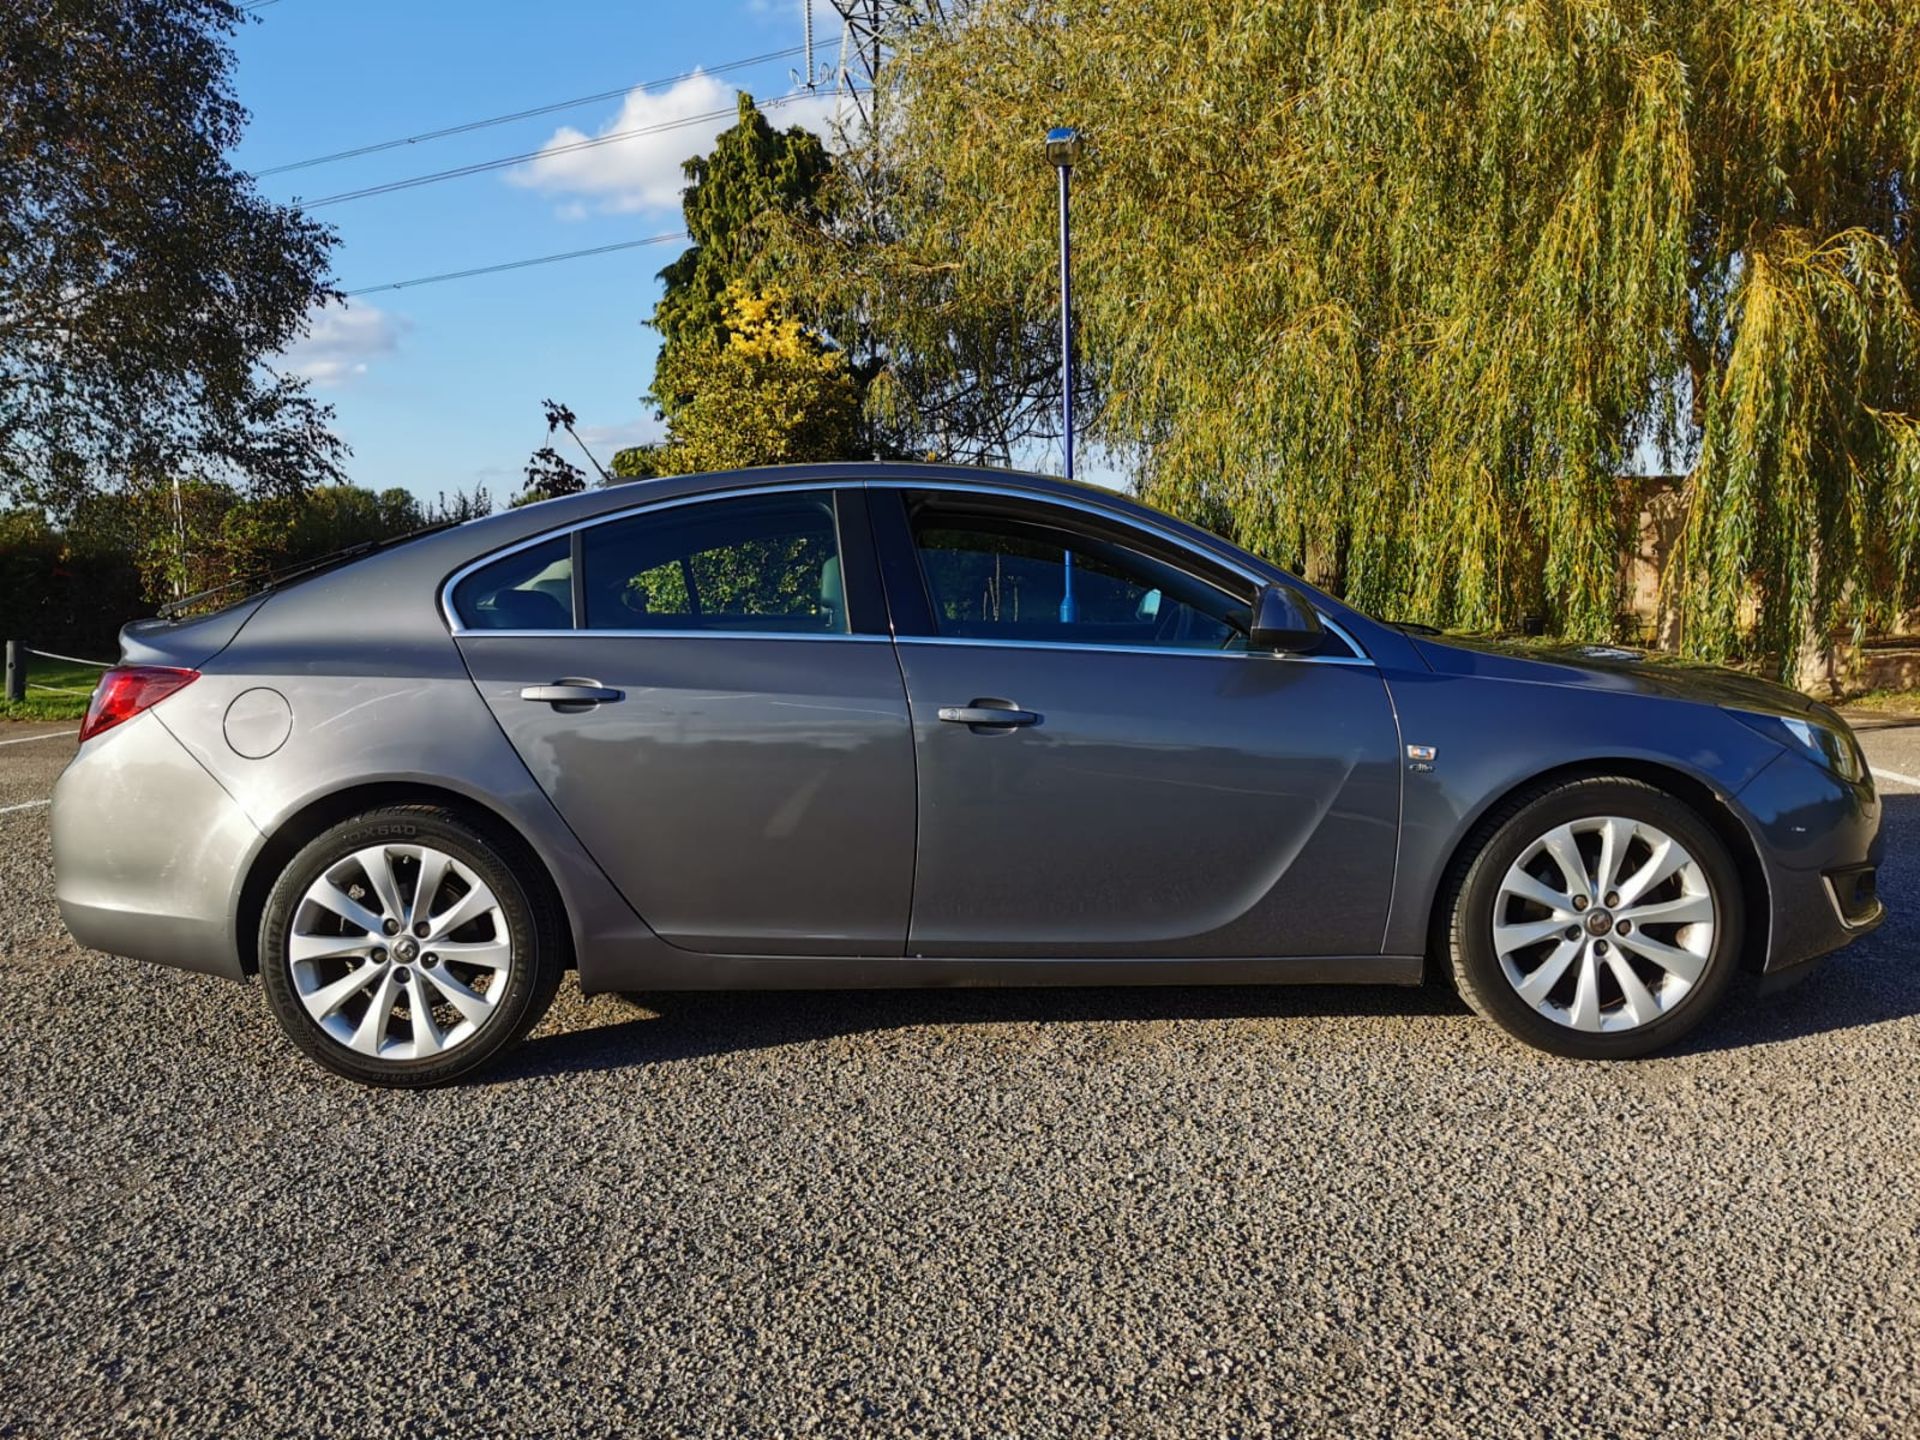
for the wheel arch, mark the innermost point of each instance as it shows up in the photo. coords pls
(1697, 794)
(324, 811)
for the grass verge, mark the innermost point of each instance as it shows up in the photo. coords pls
(1884, 702)
(55, 691)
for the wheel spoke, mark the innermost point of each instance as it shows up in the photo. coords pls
(378, 863)
(1565, 851)
(427, 1039)
(1508, 938)
(1667, 860)
(1687, 910)
(469, 1003)
(1640, 1003)
(371, 1033)
(330, 997)
(303, 949)
(433, 870)
(471, 906)
(1615, 835)
(330, 896)
(1534, 988)
(1520, 883)
(1586, 993)
(493, 954)
(1672, 959)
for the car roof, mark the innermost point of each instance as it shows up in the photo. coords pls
(509, 527)
(623, 493)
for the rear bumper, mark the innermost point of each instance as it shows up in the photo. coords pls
(1817, 835)
(148, 851)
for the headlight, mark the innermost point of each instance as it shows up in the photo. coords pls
(1832, 747)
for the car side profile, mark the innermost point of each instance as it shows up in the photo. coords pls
(904, 725)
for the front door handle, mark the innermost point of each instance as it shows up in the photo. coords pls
(572, 692)
(998, 714)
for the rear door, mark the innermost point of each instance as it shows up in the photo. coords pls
(725, 726)
(1153, 789)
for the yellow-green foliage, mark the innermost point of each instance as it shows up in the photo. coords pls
(1409, 284)
(770, 393)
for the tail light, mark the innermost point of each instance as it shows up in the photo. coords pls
(126, 690)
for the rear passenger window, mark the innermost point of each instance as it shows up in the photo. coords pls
(530, 589)
(758, 563)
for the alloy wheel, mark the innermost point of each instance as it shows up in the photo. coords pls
(1604, 924)
(400, 952)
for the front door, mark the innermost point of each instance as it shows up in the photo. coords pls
(1103, 768)
(724, 727)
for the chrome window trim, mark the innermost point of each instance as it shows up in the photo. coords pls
(675, 635)
(977, 487)
(458, 628)
(1359, 661)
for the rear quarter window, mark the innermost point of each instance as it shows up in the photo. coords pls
(530, 589)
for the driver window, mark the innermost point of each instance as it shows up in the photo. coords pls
(996, 577)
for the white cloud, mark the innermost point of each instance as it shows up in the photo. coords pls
(603, 440)
(341, 339)
(643, 173)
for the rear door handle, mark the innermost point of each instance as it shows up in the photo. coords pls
(998, 713)
(571, 692)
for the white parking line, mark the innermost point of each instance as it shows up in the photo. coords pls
(29, 739)
(1911, 781)
(29, 805)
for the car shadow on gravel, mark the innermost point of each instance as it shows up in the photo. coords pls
(691, 1024)
(1874, 981)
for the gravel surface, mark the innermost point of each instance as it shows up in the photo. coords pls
(1170, 1213)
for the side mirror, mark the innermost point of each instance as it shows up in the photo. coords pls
(1284, 622)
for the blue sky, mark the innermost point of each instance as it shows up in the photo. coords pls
(439, 387)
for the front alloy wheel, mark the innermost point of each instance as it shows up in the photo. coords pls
(1598, 919)
(1604, 923)
(399, 948)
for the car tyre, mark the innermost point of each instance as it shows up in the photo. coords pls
(1621, 991)
(463, 974)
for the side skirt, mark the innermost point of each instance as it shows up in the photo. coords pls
(681, 970)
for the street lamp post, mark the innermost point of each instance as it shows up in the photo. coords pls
(1063, 151)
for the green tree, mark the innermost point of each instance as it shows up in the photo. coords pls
(1409, 286)
(62, 590)
(144, 283)
(770, 392)
(636, 462)
(201, 534)
(754, 175)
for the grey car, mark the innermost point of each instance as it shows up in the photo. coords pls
(897, 725)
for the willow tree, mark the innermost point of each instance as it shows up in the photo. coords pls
(1408, 286)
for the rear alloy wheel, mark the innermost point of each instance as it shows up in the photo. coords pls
(1600, 919)
(399, 948)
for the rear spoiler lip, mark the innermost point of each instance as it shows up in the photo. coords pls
(185, 644)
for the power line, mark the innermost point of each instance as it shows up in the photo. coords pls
(517, 264)
(471, 125)
(505, 161)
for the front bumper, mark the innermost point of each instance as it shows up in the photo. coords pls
(149, 851)
(1817, 835)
